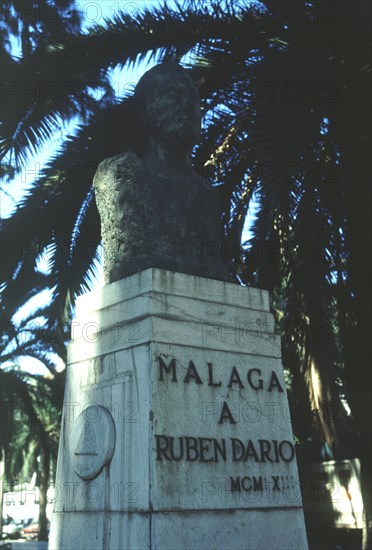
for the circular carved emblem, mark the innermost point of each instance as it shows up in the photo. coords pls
(92, 441)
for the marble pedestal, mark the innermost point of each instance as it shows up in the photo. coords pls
(176, 432)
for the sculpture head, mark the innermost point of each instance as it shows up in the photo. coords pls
(169, 105)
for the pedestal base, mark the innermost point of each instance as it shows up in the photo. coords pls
(176, 432)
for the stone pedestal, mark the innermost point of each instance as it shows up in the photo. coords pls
(176, 432)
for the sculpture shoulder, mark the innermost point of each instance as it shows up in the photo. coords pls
(118, 166)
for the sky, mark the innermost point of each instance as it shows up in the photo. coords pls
(123, 81)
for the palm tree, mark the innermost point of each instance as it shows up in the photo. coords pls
(29, 432)
(31, 403)
(286, 110)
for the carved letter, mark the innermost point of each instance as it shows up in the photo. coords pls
(226, 414)
(276, 483)
(291, 451)
(274, 382)
(171, 449)
(235, 484)
(162, 443)
(168, 369)
(251, 451)
(235, 378)
(191, 445)
(265, 448)
(246, 487)
(257, 484)
(235, 444)
(275, 441)
(192, 373)
(204, 445)
(218, 449)
(260, 381)
(210, 373)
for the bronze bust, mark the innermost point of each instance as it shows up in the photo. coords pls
(156, 211)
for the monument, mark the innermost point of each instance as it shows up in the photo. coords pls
(176, 431)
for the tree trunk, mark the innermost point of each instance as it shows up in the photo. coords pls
(2, 491)
(355, 146)
(366, 481)
(43, 488)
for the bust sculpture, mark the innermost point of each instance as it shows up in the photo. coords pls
(156, 211)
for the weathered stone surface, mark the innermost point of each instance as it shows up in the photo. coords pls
(174, 284)
(156, 211)
(186, 472)
(180, 308)
(211, 530)
(209, 314)
(207, 336)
